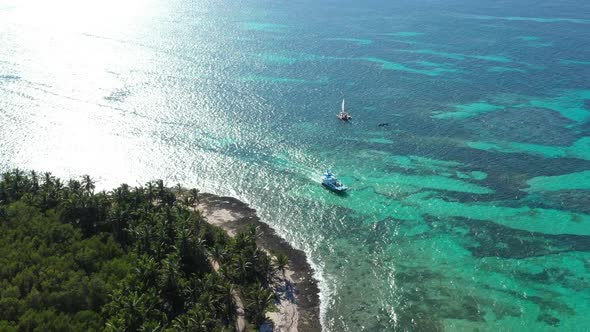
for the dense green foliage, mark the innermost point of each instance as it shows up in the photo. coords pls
(131, 259)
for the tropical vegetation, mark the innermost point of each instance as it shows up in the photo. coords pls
(131, 259)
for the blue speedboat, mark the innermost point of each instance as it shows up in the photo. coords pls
(330, 181)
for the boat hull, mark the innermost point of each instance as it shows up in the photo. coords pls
(334, 188)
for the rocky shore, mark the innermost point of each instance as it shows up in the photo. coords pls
(300, 305)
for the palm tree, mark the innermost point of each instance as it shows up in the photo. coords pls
(121, 194)
(150, 190)
(186, 200)
(197, 319)
(7, 178)
(147, 271)
(242, 266)
(280, 262)
(170, 283)
(151, 326)
(168, 199)
(55, 192)
(88, 184)
(185, 323)
(34, 182)
(218, 253)
(224, 299)
(257, 301)
(48, 179)
(115, 324)
(4, 197)
(161, 189)
(179, 189)
(252, 234)
(75, 187)
(17, 180)
(58, 185)
(194, 196)
(130, 309)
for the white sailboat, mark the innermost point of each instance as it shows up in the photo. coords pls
(343, 114)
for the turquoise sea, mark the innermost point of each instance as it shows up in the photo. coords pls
(469, 211)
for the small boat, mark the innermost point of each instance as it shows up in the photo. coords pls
(330, 181)
(343, 115)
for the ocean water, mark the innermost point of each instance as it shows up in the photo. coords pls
(469, 211)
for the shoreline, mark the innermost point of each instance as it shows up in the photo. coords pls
(233, 215)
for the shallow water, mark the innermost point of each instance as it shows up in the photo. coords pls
(470, 210)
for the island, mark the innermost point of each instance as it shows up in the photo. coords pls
(143, 258)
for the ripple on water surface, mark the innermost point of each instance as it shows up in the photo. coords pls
(468, 210)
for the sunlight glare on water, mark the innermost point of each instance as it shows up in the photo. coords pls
(467, 156)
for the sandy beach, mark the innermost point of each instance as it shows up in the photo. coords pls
(298, 309)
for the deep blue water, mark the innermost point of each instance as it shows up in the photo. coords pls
(469, 210)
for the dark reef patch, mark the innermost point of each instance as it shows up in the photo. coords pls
(548, 319)
(531, 125)
(489, 239)
(571, 200)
